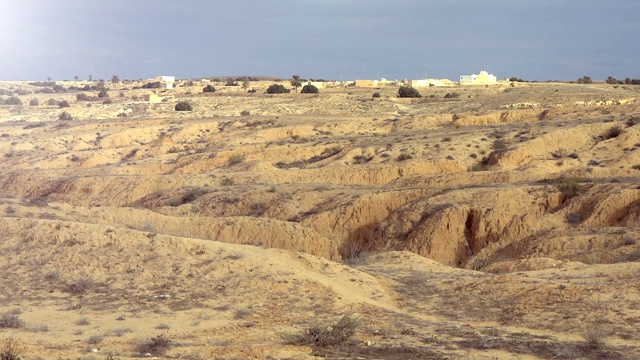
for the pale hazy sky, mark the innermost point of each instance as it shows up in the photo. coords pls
(362, 39)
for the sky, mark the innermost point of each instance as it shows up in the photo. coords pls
(329, 39)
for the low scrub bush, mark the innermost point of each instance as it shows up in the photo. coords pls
(277, 89)
(376, 95)
(613, 132)
(9, 350)
(183, 106)
(595, 336)
(209, 89)
(13, 100)
(65, 116)
(63, 104)
(408, 92)
(158, 345)
(236, 159)
(326, 334)
(309, 89)
(80, 286)
(569, 187)
(10, 321)
(34, 102)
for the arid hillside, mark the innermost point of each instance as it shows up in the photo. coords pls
(475, 222)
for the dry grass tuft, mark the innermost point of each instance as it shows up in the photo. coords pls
(595, 336)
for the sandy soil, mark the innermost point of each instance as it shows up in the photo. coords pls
(499, 224)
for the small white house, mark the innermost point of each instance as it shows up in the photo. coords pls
(167, 81)
(482, 78)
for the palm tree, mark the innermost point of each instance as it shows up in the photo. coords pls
(295, 82)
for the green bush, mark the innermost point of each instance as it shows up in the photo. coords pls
(103, 93)
(408, 92)
(209, 88)
(309, 89)
(277, 89)
(184, 106)
(376, 95)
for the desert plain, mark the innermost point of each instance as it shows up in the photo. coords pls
(499, 223)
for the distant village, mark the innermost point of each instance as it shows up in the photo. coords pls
(482, 78)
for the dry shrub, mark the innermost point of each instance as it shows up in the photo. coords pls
(326, 335)
(9, 350)
(10, 321)
(595, 336)
(158, 345)
(569, 187)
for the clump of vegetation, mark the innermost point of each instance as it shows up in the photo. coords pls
(152, 85)
(103, 93)
(309, 89)
(158, 345)
(34, 102)
(499, 144)
(361, 159)
(9, 350)
(543, 115)
(65, 116)
(595, 336)
(613, 132)
(326, 334)
(277, 89)
(404, 156)
(209, 89)
(227, 181)
(13, 100)
(183, 106)
(569, 187)
(245, 113)
(235, 159)
(63, 104)
(10, 321)
(585, 80)
(80, 286)
(231, 82)
(107, 102)
(452, 95)
(481, 166)
(408, 92)
(376, 95)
